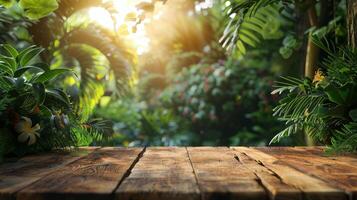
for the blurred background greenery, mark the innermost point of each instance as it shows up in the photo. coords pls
(175, 72)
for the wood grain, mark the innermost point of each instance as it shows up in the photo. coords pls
(220, 175)
(95, 176)
(16, 175)
(277, 189)
(162, 173)
(179, 173)
(311, 187)
(340, 171)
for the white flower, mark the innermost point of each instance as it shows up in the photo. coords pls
(27, 132)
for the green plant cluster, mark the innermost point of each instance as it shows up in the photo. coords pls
(226, 102)
(137, 124)
(32, 9)
(36, 116)
(248, 23)
(325, 107)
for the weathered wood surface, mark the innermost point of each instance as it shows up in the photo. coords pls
(16, 175)
(180, 173)
(162, 173)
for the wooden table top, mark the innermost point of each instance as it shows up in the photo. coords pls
(181, 173)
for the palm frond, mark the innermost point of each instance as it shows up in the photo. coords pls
(288, 84)
(341, 62)
(345, 140)
(288, 131)
(93, 73)
(120, 59)
(249, 22)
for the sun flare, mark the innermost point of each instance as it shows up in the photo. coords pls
(117, 22)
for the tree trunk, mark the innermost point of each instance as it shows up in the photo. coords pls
(302, 24)
(312, 53)
(352, 22)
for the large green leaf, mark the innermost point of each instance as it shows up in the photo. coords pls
(36, 9)
(51, 74)
(10, 50)
(336, 95)
(5, 84)
(28, 55)
(59, 96)
(9, 61)
(39, 92)
(7, 3)
(8, 81)
(20, 71)
(5, 69)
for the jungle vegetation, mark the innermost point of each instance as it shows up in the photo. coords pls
(184, 72)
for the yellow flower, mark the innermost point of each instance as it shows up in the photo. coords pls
(27, 132)
(318, 76)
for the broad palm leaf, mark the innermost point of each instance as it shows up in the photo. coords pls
(73, 42)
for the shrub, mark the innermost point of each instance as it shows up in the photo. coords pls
(35, 115)
(226, 102)
(326, 106)
(136, 124)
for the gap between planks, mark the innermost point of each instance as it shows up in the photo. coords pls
(128, 172)
(316, 164)
(195, 174)
(267, 169)
(312, 187)
(162, 173)
(273, 184)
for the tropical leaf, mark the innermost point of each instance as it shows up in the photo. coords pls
(249, 22)
(39, 92)
(93, 71)
(10, 50)
(5, 69)
(28, 54)
(9, 61)
(36, 9)
(58, 96)
(7, 3)
(120, 61)
(290, 130)
(20, 71)
(49, 75)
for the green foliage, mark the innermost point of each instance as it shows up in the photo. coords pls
(12, 27)
(290, 44)
(36, 116)
(36, 9)
(224, 102)
(250, 22)
(33, 9)
(323, 107)
(7, 3)
(137, 125)
(96, 53)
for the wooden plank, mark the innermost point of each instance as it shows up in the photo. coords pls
(163, 173)
(312, 187)
(221, 176)
(349, 159)
(95, 176)
(277, 189)
(340, 171)
(16, 175)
